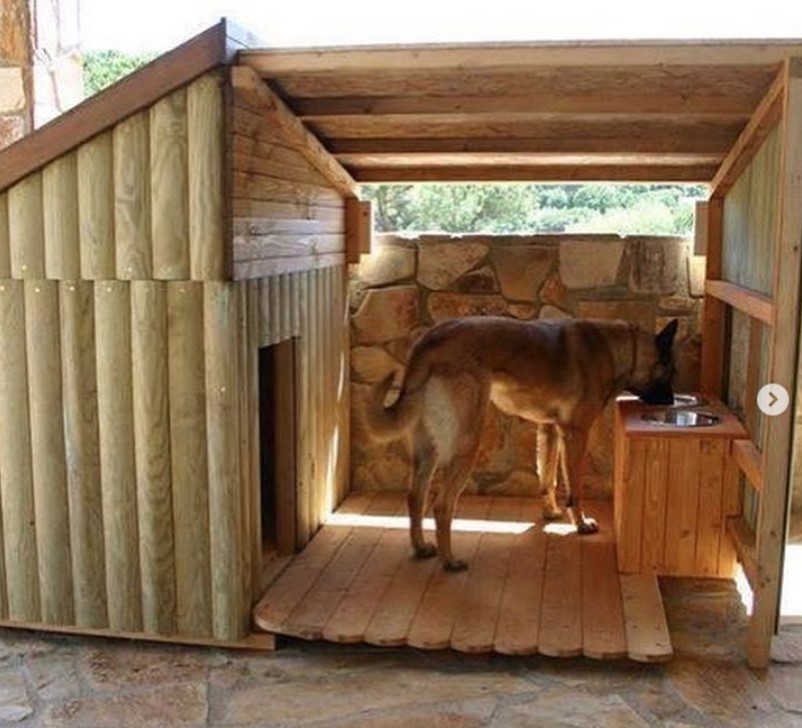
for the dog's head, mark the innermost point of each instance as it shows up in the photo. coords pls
(653, 369)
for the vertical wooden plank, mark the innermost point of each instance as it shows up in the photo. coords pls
(152, 450)
(264, 311)
(60, 204)
(225, 518)
(132, 210)
(169, 168)
(358, 228)
(190, 478)
(17, 496)
(255, 455)
(731, 507)
(117, 461)
(305, 417)
(96, 207)
(26, 228)
(770, 530)
(275, 309)
(285, 307)
(603, 634)
(343, 383)
(561, 610)
(713, 319)
(5, 245)
(631, 503)
(82, 452)
(654, 505)
(246, 440)
(295, 303)
(206, 144)
(47, 451)
(709, 528)
(317, 372)
(648, 639)
(682, 503)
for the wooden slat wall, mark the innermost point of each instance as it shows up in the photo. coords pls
(749, 222)
(142, 200)
(287, 216)
(311, 306)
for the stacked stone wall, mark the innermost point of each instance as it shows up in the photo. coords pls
(409, 284)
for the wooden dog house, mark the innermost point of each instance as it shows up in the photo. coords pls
(173, 264)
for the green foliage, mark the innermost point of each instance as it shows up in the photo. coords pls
(103, 68)
(530, 208)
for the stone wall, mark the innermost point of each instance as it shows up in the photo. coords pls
(16, 80)
(408, 284)
(41, 73)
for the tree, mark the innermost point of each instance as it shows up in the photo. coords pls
(103, 68)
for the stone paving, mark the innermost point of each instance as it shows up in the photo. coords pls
(93, 683)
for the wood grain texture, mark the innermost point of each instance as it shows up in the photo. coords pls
(220, 308)
(206, 174)
(714, 311)
(26, 228)
(132, 198)
(603, 635)
(682, 504)
(61, 226)
(5, 244)
(757, 305)
(81, 440)
(631, 497)
(169, 165)
(43, 348)
(149, 344)
(648, 639)
(117, 457)
(710, 527)
(16, 484)
(96, 207)
(190, 477)
(561, 608)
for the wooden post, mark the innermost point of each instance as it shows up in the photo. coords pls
(770, 530)
(96, 207)
(117, 461)
(5, 245)
(82, 453)
(207, 148)
(152, 441)
(170, 187)
(190, 476)
(16, 484)
(358, 228)
(132, 198)
(220, 309)
(714, 315)
(26, 228)
(47, 451)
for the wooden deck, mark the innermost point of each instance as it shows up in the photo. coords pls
(528, 590)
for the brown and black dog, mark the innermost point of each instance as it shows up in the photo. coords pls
(558, 374)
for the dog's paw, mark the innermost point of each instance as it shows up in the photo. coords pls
(426, 551)
(587, 526)
(455, 565)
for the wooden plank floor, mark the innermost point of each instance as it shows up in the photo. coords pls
(531, 588)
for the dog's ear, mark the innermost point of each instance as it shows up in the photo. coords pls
(665, 339)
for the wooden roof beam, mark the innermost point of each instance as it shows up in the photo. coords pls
(601, 102)
(259, 94)
(275, 62)
(537, 173)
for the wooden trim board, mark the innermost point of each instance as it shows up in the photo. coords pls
(754, 304)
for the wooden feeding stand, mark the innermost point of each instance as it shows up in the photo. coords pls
(675, 489)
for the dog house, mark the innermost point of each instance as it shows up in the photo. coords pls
(174, 369)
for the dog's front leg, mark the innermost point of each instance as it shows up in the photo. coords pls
(575, 441)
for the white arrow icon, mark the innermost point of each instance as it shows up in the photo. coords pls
(773, 399)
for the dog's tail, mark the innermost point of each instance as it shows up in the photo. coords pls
(389, 423)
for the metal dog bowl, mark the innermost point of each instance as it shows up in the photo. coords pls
(681, 418)
(689, 400)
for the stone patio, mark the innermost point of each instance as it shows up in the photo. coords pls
(93, 683)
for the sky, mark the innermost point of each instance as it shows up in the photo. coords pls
(158, 25)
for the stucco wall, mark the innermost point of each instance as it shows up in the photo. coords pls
(410, 283)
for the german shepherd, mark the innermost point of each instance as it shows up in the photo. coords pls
(557, 374)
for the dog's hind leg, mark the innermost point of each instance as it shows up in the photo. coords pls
(575, 442)
(548, 456)
(424, 460)
(455, 477)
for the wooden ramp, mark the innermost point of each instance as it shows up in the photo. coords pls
(530, 588)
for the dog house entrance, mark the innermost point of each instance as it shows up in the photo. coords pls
(277, 425)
